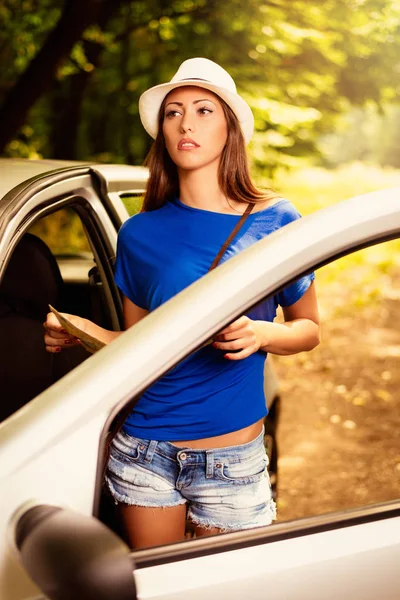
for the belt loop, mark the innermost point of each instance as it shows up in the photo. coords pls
(150, 450)
(209, 464)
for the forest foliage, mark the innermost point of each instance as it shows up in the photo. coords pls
(73, 70)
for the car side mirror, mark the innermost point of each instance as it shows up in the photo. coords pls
(70, 555)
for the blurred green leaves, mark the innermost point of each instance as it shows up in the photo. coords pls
(299, 63)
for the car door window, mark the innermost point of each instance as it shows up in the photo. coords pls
(340, 404)
(85, 262)
(64, 234)
(133, 201)
(336, 428)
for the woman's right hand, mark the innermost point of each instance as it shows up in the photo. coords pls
(55, 337)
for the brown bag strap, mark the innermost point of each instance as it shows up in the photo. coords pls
(235, 230)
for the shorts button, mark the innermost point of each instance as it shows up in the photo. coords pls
(182, 456)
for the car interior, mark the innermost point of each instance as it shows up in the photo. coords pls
(31, 282)
(43, 270)
(47, 270)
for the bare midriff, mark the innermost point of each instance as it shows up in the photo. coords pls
(242, 436)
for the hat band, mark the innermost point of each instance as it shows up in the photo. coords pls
(194, 79)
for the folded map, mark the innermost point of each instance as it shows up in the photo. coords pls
(90, 343)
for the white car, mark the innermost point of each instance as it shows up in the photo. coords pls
(53, 543)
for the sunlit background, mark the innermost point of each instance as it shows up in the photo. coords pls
(323, 80)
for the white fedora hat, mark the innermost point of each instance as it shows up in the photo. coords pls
(203, 73)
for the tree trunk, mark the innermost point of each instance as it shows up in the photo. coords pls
(67, 103)
(76, 17)
(66, 109)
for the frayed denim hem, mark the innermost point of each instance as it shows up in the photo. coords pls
(123, 499)
(209, 524)
(271, 509)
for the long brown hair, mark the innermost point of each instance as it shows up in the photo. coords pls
(233, 174)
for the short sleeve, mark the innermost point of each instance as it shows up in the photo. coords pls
(127, 270)
(295, 291)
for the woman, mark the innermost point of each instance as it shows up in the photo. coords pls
(193, 445)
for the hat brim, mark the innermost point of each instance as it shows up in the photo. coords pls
(151, 100)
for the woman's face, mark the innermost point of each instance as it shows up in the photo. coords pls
(194, 127)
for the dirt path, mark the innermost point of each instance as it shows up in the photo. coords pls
(339, 429)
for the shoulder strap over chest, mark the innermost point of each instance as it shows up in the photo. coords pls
(233, 233)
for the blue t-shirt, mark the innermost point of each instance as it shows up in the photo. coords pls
(159, 254)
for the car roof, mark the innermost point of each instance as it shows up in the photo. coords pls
(15, 171)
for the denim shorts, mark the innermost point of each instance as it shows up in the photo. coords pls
(227, 488)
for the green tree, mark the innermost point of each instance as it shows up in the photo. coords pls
(75, 17)
(299, 63)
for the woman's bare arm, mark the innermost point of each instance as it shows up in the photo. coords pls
(299, 332)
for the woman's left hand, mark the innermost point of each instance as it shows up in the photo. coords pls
(242, 336)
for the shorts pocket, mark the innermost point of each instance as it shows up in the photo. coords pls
(126, 449)
(242, 472)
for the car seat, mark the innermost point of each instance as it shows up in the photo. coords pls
(31, 282)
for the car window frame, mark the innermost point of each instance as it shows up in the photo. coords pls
(269, 534)
(99, 228)
(277, 531)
